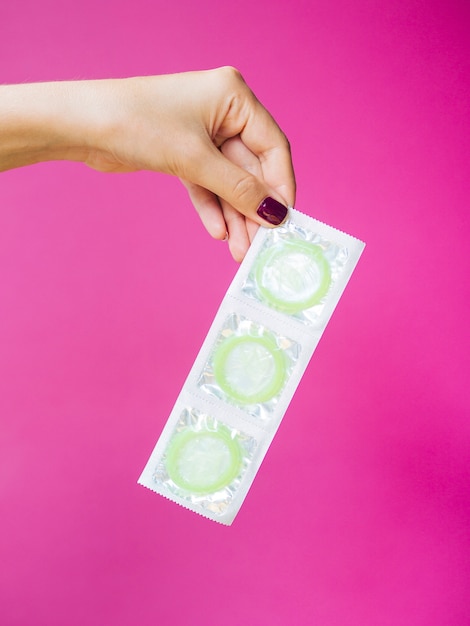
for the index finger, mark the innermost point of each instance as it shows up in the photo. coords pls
(265, 139)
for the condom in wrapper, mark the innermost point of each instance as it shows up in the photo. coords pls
(249, 366)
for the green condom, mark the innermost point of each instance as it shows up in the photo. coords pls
(250, 370)
(292, 276)
(203, 461)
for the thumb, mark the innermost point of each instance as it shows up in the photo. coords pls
(244, 191)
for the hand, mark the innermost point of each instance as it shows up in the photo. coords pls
(207, 128)
(186, 125)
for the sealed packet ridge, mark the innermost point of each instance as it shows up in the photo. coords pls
(255, 353)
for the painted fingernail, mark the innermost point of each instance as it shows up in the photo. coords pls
(272, 211)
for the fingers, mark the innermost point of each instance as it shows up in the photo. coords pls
(240, 169)
(241, 230)
(238, 238)
(245, 192)
(239, 113)
(260, 133)
(208, 209)
(264, 138)
(221, 220)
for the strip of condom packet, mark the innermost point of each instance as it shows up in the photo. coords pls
(255, 353)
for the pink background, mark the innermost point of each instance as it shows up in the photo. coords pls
(108, 284)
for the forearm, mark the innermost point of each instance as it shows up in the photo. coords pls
(42, 122)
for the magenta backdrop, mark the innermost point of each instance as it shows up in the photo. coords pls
(108, 284)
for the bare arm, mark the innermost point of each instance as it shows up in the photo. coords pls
(207, 128)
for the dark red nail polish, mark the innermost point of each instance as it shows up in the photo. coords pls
(272, 211)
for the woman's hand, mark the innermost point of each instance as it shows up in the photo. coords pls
(207, 128)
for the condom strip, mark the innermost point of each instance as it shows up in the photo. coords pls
(249, 366)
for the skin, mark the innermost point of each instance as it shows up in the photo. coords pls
(206, 128)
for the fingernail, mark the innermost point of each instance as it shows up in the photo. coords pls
(272, 211)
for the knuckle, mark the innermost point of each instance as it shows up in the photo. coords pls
(229, 77)
(231, 73)
(244, 190)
